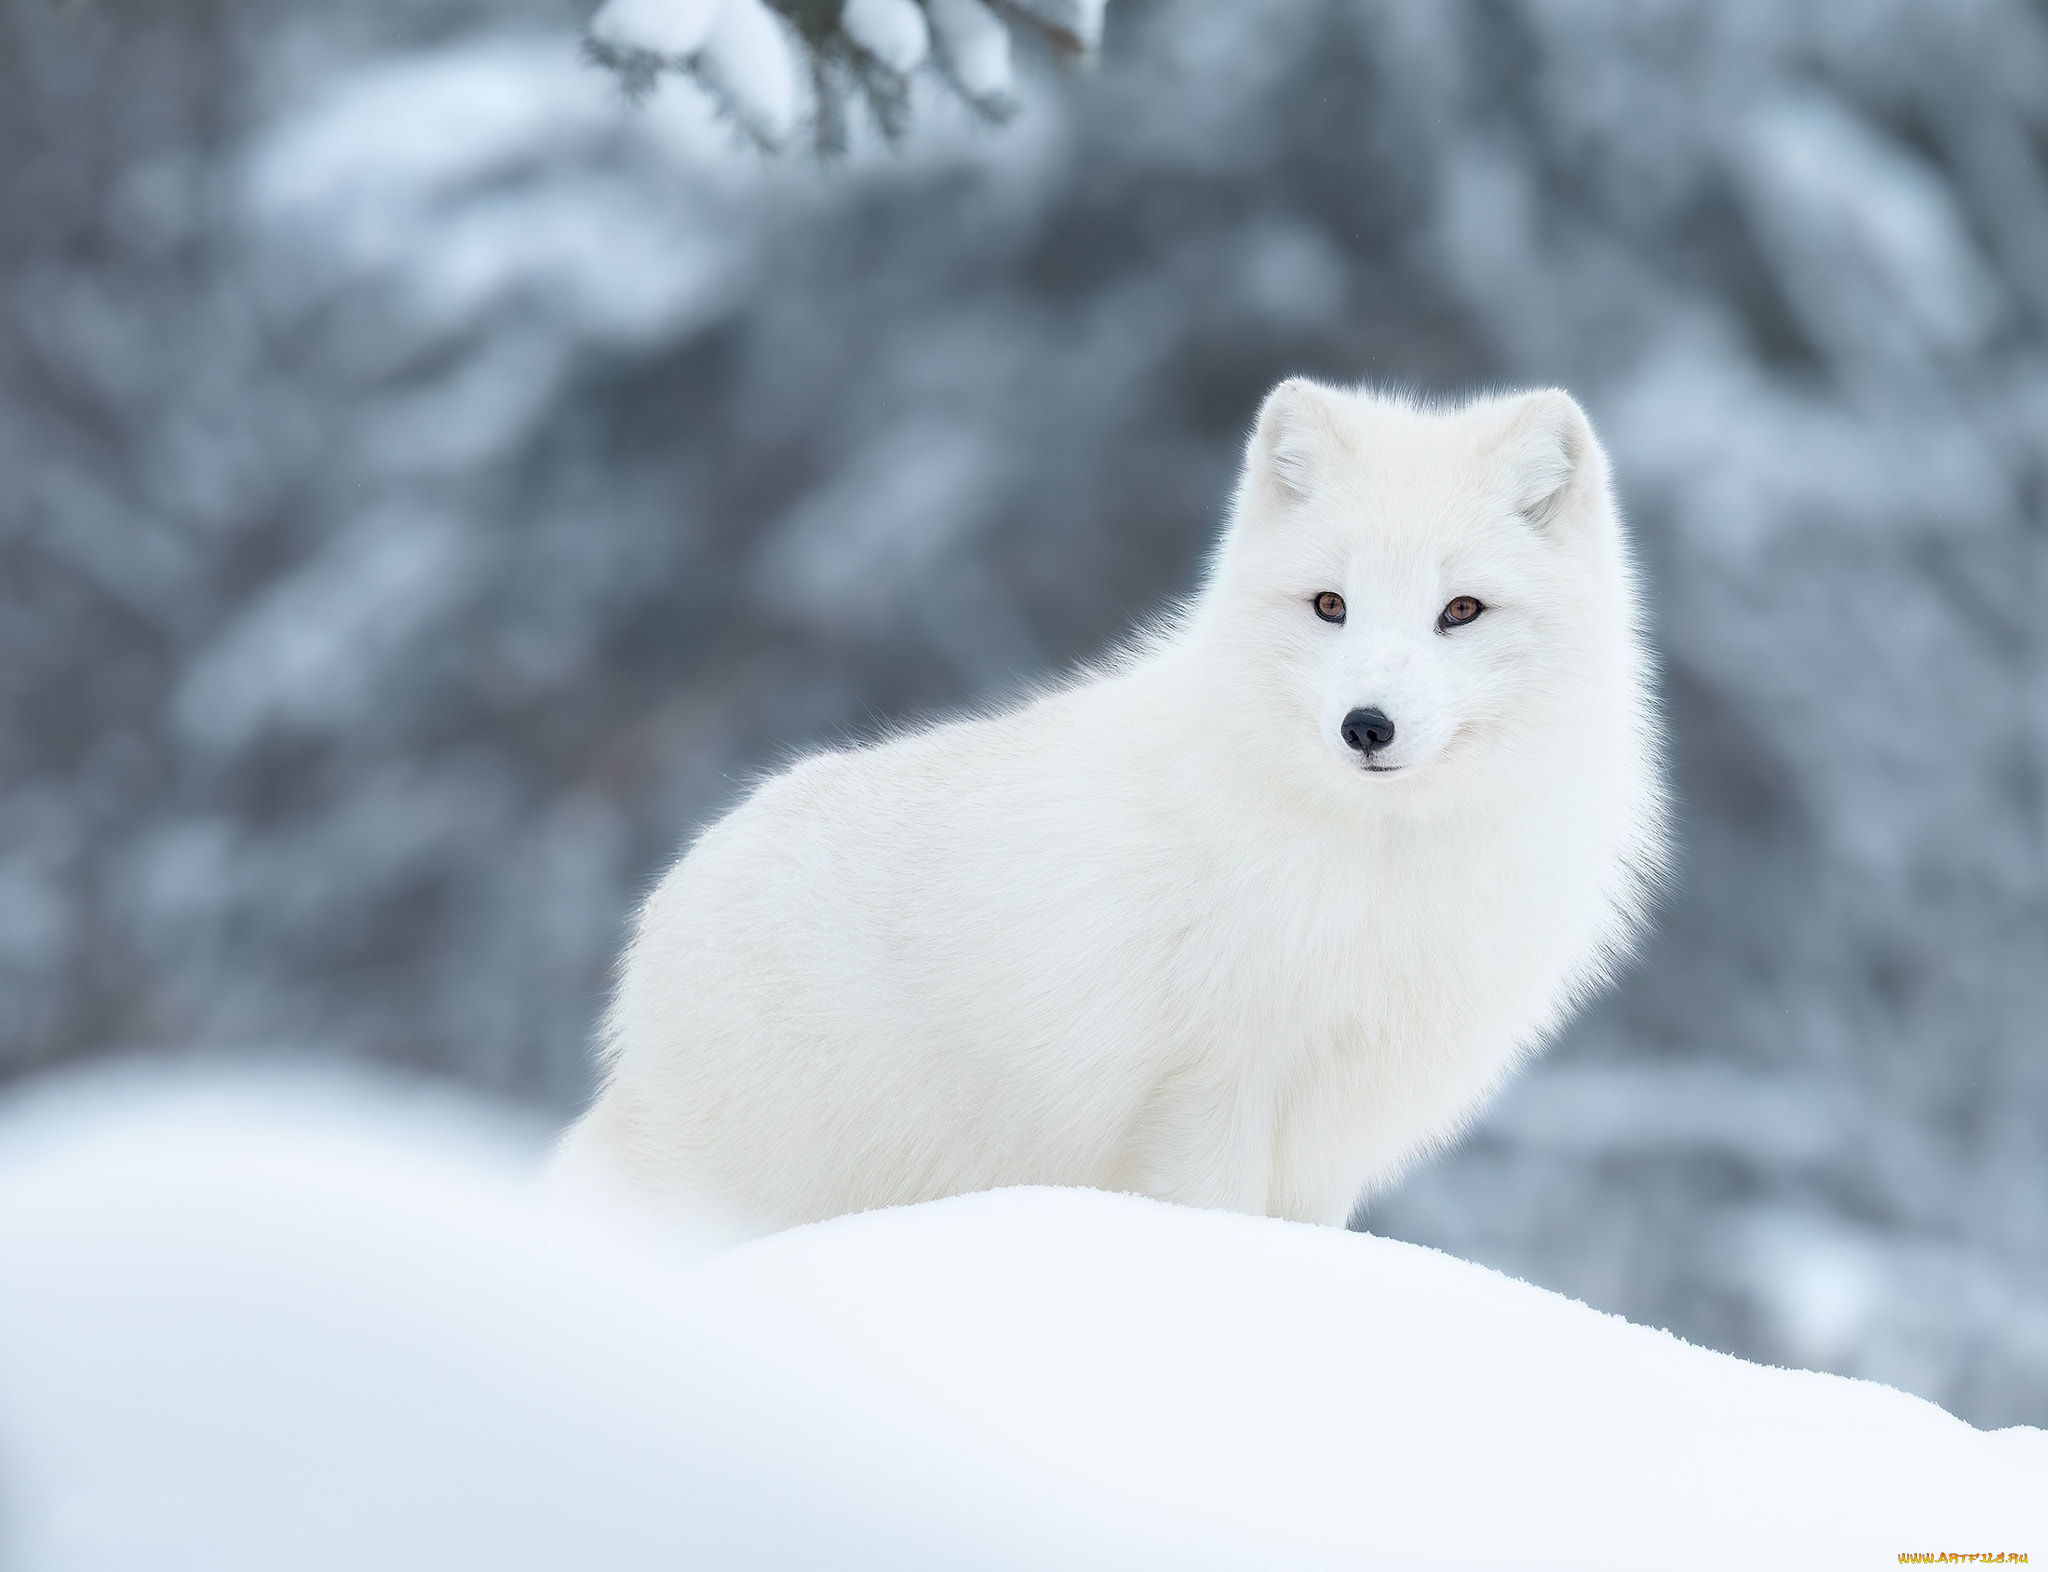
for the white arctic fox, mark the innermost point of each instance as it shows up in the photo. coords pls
(1245, 917)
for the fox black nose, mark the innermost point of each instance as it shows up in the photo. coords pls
(1368, 731)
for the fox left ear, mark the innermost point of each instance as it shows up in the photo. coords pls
(1547, 454)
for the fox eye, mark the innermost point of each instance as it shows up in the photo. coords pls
(1330, 606)
(1461, 610)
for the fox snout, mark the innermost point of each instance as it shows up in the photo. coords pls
(1367, 731)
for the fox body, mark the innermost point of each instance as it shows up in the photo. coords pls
(1247, 916)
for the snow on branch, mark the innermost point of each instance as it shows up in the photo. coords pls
(778, 68)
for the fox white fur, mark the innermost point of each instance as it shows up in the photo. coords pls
(1160, 929)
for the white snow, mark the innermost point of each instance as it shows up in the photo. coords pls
(737, 44)
(893, 31)
(474, 178)
(255, 1327)
(407, 130)
(674, 28)
(975, 47)
(748, 58)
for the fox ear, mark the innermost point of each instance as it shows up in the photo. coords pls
(1293, 440)
(1547, 452)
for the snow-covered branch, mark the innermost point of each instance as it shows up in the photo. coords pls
(780, 68)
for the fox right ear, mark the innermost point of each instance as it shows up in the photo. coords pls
(1546, 450)
(1292, 441)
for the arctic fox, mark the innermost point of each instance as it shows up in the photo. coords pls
(1247, 916)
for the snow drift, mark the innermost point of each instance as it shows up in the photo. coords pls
(259, 1327)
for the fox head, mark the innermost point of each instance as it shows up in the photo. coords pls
(1417, 593)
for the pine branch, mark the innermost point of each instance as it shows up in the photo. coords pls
(789, 70)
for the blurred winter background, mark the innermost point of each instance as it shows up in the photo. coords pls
(429, 488)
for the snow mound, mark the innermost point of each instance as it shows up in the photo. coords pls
(251, 1329)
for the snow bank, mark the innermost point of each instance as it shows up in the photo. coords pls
(252, 1329)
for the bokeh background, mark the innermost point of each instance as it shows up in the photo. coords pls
(429, 489)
